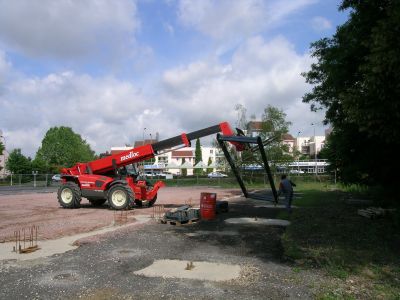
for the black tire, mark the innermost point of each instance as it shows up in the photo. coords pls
(152, 201)
(120, 197)
(69, 195)
(139, 203)
(97, 202)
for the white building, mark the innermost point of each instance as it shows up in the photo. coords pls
(3, 157)
(186, 155)
(310, 145)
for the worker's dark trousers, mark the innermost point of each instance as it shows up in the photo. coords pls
(288, 201)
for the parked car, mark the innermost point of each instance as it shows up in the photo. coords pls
(56, 178)
(165, 175)
(296, 172)
(216, 175)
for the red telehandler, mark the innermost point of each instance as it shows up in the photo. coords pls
(114, 178)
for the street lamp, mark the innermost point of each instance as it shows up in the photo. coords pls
(144, 129)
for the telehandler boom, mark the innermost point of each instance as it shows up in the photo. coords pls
(114, 178)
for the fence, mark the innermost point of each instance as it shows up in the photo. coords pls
(251, 179)
(28, 180)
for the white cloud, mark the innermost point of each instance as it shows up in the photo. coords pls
(66, 29)
(108, 111)
(231, 21)
(223, 19)
(260, 73)
(105, 111)
(321, 24)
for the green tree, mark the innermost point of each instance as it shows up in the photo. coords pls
(356, 80)
(62, 147)
(17, 163)
(41, 166)
(273, 128)
(198, 157)
(209, 170)
(2, 148)
(184, 170)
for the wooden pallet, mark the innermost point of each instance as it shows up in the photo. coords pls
(178, 223)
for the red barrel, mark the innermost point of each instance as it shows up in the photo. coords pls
(208, 205)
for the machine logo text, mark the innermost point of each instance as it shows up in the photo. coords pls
(130, 155)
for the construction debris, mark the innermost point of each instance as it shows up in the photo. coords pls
(181, 215)
(158, 212)
(374, 212)
(26, 240)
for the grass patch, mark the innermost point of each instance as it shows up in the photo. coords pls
(327, 234)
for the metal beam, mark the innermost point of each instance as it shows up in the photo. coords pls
(232, 164)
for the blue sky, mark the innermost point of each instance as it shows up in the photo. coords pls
(109, 69)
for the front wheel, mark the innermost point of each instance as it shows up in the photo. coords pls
(120, 197)
(69, 195)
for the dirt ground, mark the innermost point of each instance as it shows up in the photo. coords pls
(42, 209)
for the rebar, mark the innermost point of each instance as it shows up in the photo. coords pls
(158, 212)
(30, 238)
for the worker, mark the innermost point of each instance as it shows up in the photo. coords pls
(286, 188)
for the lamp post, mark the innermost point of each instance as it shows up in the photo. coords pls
(144, 129)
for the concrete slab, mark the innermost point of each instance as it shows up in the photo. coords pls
(258, 221)
(209, 232)
(200, 270)
(62, 245)
(280, 206)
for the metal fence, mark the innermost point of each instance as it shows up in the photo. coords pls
(28, 180)
(259, 179)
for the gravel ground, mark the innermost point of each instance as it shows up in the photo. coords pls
(42, 209)
(104, 268)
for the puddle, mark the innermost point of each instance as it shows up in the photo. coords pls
(167, 268)
(258, 221)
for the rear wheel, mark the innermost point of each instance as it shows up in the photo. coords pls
(120, 196)
(69, 195)
(97, 202)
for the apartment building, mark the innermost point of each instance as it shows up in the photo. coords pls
(173, 160)
(3, 157)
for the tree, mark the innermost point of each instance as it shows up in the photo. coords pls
(61, 147)
(209, 170)
(17, 163)
(198, 157)
(356, 80)
(184, 170)
(2, 148)
(273, 128)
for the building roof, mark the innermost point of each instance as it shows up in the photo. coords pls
(183, 153)
(255, 125)
(288, 137)
(146, 142)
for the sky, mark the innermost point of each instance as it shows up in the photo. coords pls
(117, 71)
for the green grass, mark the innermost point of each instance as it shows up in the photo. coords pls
(327, 234)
